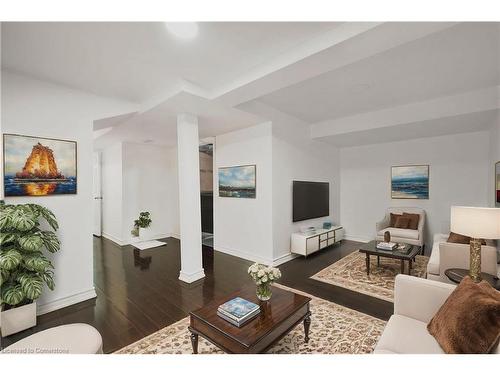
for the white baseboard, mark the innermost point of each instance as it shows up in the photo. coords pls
(353, 237)
(174, 235)
(65, 301)
(243, 255)
(284, 258)
(255, 258)
(116, 240)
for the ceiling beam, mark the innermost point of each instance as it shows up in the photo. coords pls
(341, 46)
(460, 104)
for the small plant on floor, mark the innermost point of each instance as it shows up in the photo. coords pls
(264, 277)
(144, 221)
(24, 269)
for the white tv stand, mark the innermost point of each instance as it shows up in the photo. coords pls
(305, 244)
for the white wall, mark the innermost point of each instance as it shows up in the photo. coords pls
(139, 177)
(39, 108)
(150, 184)
(297, 157)
(244, 227)
(459, 168)
(259, 229)
(112, 194)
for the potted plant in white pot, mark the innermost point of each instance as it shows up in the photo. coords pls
(24, 269)
(142, 226)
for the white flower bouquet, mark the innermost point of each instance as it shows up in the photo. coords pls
(264, 276)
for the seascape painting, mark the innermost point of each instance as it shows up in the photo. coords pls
(237, 182)
(35, 166)
(410, 182)
(497, 184)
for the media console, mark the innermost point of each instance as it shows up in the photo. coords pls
(305, 244)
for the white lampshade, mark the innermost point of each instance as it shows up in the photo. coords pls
(476, 222)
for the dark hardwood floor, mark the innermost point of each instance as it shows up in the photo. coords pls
(139, 293)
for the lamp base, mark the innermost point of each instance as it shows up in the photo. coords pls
(475, 260)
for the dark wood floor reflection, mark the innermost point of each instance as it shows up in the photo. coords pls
(138, 292)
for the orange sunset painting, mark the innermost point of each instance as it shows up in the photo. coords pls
(35, 166)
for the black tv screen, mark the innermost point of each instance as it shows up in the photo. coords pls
(310, 200)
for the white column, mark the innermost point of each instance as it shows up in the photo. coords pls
(188, 164)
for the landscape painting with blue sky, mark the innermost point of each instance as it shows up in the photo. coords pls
(237, 182)
(410, 182)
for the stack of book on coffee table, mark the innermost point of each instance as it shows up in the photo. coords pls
(238, 311)
(386, 245)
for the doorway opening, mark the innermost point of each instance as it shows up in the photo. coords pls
(207, 193)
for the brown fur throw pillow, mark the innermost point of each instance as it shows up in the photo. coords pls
(460, 238)
(402, 222)
(394, 217)
(414, 220)
(469, 320)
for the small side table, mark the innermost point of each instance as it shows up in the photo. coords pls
(457, 274)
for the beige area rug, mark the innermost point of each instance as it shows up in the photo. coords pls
(334, 330)
(350, 273)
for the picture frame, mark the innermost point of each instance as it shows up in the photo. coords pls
(36, 166)
(238, 181)
(410, 181)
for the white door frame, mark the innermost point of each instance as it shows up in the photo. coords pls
(97, 192)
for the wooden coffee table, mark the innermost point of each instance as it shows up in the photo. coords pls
(408, 255)
(278, 316)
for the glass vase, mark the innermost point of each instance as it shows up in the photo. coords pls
(264, 292)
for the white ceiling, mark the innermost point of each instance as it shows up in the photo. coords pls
(140, 60)
(159, 124)
(461, 58)
(322, 74)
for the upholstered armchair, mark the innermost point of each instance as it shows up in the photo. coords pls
(409, 236)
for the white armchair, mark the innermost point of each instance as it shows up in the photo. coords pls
(416, 301)
(446, 255)
(409, 236)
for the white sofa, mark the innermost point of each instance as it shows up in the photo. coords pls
(447, 255)
(409, 236)
(416, 301)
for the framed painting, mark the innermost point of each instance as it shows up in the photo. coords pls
(237, 182)
(497, 184)
(410, 182)
(36, 166)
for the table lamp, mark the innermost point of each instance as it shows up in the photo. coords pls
(478, 223)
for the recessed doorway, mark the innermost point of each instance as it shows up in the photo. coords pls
(207, 194)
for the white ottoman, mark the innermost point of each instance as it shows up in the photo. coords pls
(76, 338)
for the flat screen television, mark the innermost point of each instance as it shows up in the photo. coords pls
(310, 200)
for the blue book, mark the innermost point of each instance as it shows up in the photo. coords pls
(238, 308)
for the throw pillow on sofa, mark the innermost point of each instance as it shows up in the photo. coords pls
(402, 222)
(469, 320)
(459, 238)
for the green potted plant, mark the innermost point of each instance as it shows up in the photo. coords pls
(24, 268)
(142, 226)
